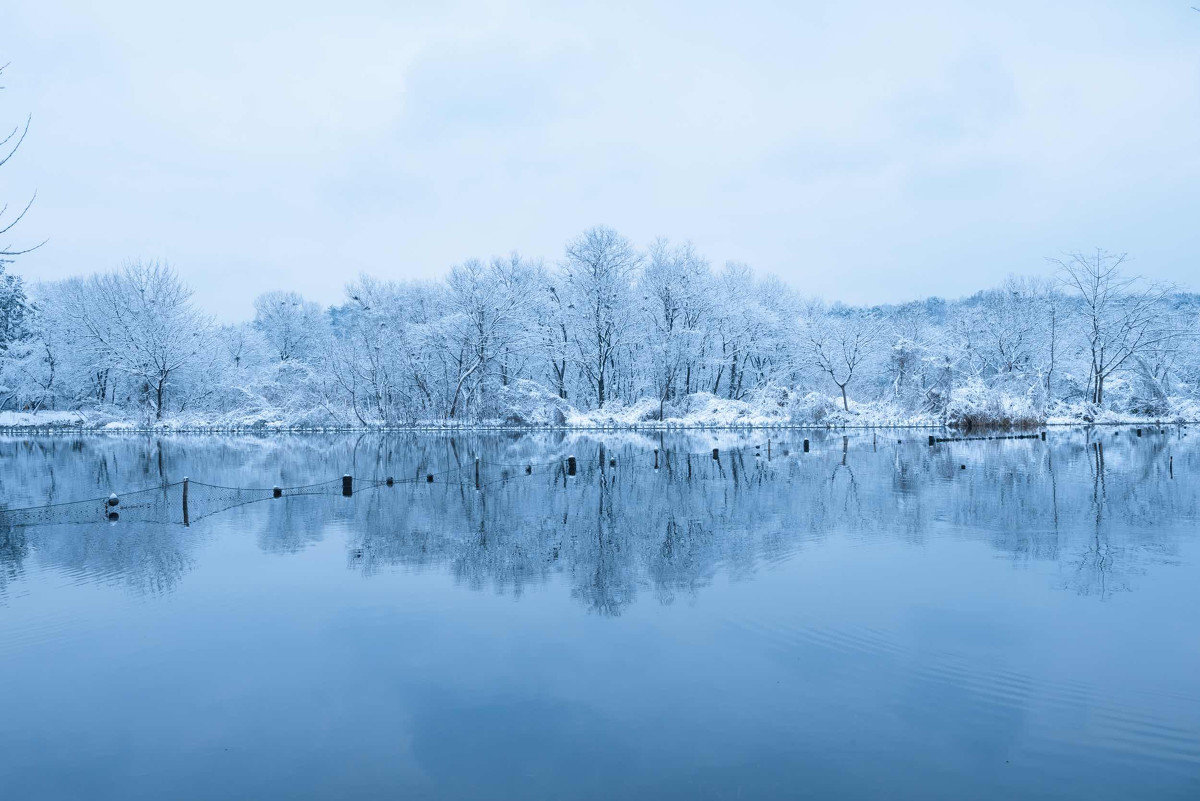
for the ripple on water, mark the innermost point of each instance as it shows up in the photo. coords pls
(1063, 717)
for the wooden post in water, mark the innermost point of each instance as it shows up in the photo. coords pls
(1043, 436)
(768, 450)
(276, 492)
(429, 478)
(476, 472)
(931, 440)
(1171, 466)
(656, 458)
(570, 465)
(1139, 432)
(347, 485)
(716, 455)
(806, 446)
(186, 521)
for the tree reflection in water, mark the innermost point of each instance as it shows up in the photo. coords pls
(1101, 506)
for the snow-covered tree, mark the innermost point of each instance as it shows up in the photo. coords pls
(840, 343)
(291, 325)
(676, 299)
(1009, 322)
(599, 269)
(487, 330)
(141, 323)
(14, 308)
(552, 312)
(380, 364)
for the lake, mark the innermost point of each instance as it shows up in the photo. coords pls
(870, 618)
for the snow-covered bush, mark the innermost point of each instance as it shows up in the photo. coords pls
(815, 408)
(527, 403)
(974, 405)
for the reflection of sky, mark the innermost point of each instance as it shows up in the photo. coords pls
(936, 671)
(863, 150)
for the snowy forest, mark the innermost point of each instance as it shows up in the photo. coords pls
(606, 334)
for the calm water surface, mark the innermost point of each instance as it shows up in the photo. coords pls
(871, 619)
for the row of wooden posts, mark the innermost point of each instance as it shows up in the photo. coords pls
(348, 480)
(1042, 435)
(572, 469)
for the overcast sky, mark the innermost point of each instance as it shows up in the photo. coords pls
(864, 151)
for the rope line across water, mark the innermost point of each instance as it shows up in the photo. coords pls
(187, 501)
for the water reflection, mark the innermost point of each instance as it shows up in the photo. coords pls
(1100, 504)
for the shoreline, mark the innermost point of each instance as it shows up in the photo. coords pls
(474, 428)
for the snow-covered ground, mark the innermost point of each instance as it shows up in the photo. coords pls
(532, 409)
(72, 420)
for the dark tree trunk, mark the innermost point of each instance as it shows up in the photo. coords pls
(158, 399)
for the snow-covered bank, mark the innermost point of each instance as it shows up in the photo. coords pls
(531, 409)
(26, 420)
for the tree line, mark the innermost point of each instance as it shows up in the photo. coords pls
(649, 332)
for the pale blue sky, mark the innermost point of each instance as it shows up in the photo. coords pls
(864, 151)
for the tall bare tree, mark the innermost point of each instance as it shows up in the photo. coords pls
(14, 307)
(1122, 316)
(840, 344)
(8, 148)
